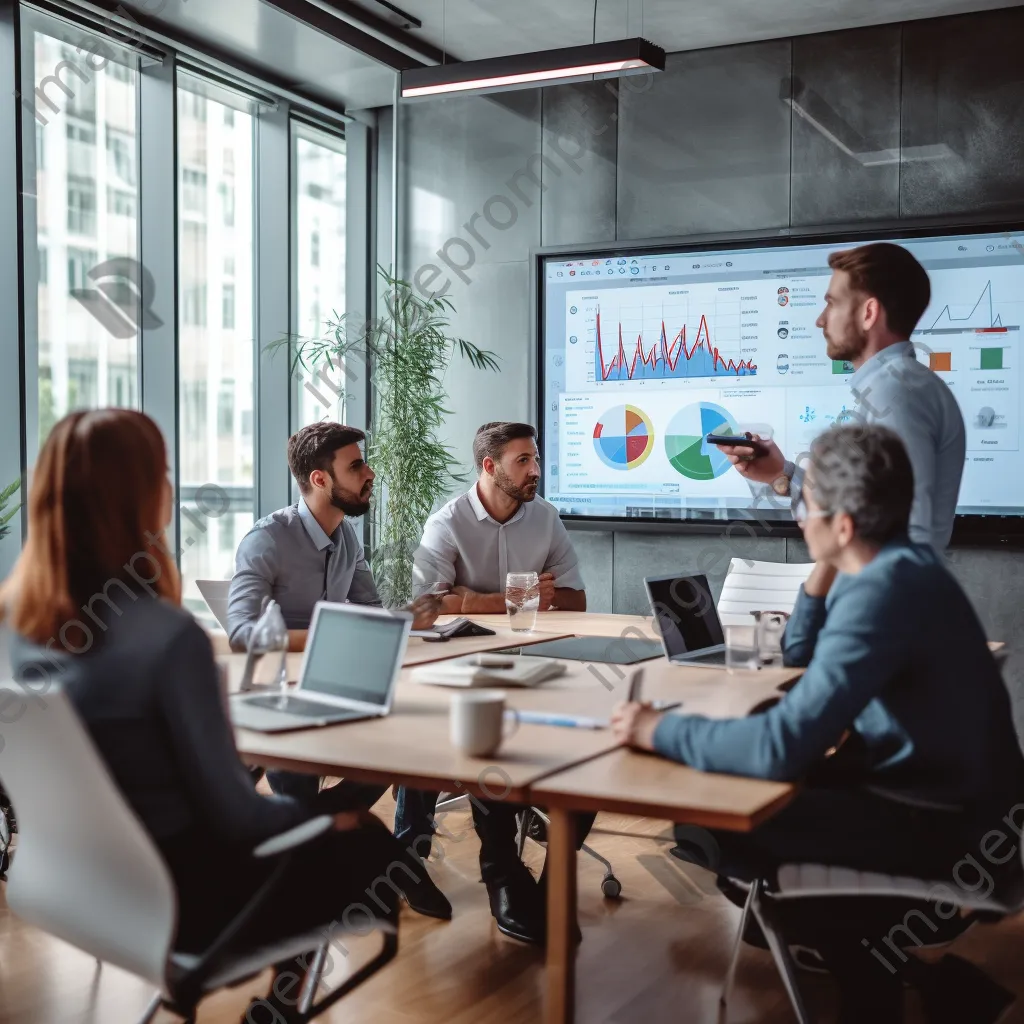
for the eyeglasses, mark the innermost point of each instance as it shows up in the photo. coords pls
(801, 513)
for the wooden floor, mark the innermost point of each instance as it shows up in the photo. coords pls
(658, 955)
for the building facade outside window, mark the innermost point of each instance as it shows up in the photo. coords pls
(83, 179)
(216, 265)
(318, 253)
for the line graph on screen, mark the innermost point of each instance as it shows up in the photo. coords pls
(676, 338)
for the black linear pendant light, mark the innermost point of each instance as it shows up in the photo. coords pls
(545, 67)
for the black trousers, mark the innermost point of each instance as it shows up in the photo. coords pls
(343, 796)
(494, 820)
(495, 823)
(351, 878)
(414, 809)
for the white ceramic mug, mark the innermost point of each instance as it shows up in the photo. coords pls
(477, 721)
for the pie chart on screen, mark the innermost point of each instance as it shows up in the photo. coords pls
(686, 445)
(623, 437)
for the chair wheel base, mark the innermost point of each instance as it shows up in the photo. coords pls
(611, 887)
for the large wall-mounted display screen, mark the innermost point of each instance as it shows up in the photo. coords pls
(645, 352)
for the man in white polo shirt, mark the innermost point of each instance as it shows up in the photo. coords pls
(469, 546)
(499, 526)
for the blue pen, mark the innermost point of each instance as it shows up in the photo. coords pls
(568, 721)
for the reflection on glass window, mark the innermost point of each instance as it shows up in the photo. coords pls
(193, 190)
(318, 255)
(120, 150)
(216, 345)
(80, 262)
(83, 174)
(228, 307)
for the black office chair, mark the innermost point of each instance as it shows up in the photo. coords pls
(8, 826)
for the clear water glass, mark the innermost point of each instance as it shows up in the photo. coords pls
(270, 636)
(770, 629)
(741, 653)
(522, 600)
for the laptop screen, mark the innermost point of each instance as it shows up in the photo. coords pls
(353, 655)
(686, 614)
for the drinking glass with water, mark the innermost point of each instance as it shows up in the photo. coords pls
(269, 636)
(741, 653)
(522, 599)
(770, 627)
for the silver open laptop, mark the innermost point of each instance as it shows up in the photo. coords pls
(691, 631)
(349, 670)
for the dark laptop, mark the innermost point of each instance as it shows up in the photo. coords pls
(691, 631)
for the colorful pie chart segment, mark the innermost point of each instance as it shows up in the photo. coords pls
(624, 437)
(685, 444)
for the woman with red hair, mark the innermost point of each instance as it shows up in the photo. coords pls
(94, 602)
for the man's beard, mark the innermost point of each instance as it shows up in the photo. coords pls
(349, 503)
(525, 493)
(848, 347)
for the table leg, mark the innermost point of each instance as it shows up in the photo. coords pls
(561, 953)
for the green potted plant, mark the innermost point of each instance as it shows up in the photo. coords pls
(5, 517)
(408, 349)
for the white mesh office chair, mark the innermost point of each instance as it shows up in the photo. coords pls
(87, 872)
(760, 586)
(215, 594)
(774, 586)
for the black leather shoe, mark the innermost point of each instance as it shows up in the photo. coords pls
(537, 830)
(518, 909)
(423, 895)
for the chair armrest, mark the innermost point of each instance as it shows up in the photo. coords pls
(298, 836)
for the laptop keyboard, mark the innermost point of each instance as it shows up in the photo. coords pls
(714, 657)
(297, 706)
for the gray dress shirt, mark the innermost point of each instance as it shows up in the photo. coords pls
(894, 390)
(464, 547)
(287, 556)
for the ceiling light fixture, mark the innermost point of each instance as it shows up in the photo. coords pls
(521, 70)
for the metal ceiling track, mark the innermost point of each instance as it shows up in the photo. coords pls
(360, 29)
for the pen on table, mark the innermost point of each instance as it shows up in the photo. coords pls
(568, 721)
(665, 705)
(634, 685)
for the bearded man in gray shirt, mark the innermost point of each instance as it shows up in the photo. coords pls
(310, 552)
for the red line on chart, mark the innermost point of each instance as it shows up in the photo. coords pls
(669, 355)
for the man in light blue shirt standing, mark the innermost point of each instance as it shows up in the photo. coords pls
(874, 300)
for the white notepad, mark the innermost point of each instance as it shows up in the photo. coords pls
(468, 671)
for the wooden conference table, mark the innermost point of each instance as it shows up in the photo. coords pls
(565, 770)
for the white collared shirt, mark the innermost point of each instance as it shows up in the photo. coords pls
(464, 547)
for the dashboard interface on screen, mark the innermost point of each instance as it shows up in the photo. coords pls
(647, 353)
